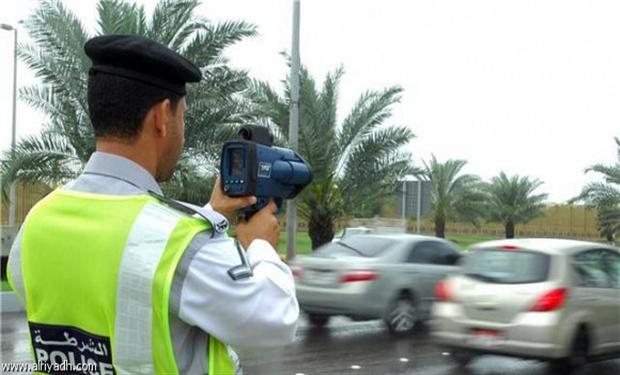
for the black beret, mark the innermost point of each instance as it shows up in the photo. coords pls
(141, 59)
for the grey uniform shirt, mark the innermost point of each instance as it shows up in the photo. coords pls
(255, 312)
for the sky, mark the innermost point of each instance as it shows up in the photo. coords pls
(529, 87)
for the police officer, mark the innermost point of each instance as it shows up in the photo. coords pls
(117, 277)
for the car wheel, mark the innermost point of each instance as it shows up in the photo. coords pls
(402, 316)
(461, 357)
(318, 320)
(577, 358)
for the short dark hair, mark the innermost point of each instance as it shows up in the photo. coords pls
(118, 105)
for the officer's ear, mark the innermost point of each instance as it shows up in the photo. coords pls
(163, 117)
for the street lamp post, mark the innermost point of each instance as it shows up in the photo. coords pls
(406, 179)
(12, 198)
(291, 207)
(418, 206)
(404, 200)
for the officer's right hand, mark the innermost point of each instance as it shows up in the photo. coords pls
(226, 205)
(262, 225)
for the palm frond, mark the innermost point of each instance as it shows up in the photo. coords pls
(604, 196)
(190, 182)
(611, 173)
(169, 18)
(328, 99)
(598, 193)
(52, 25)
(454, 196)
(373, 168)
(42, 98)
(264, 103)
(47, 158)
(370, 111)
(205, 47)
(60, 61)
(120, 17)
(513, 199)
(58, 73)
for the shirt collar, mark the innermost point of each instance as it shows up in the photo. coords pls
(123, 169)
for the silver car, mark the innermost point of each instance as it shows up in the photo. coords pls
(390, 277)
(351, 231)
(556, 300)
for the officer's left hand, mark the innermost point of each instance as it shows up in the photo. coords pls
(226, 205)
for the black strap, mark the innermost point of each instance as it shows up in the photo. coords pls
(169, 202)
(183, 208)
(243, 270)
(114, 177)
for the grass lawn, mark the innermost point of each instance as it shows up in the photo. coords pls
(304, 245)
(5, 286)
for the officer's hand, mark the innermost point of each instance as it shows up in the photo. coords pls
(262, 225)
(226, 205)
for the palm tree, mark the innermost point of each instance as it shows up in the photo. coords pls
(605, 196)
(454, 196)
(356, 161)
(57, 57)
(511, 201)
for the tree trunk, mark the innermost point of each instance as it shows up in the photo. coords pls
(610, 236)
(510, 229)
(320, 229)
(440, 227)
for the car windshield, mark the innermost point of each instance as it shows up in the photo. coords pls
(354, 231)
(507, 267)
(357, 245)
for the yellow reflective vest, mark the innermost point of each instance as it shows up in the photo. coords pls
(95, 276)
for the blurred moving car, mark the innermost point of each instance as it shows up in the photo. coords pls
(389, 277)
(351, 231)
(555, 300)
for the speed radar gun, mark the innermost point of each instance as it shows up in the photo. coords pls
(251, 165)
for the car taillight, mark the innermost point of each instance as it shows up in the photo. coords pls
(550, 301)
(297, 271)
(358, 275)
(442, 292)
(509, 247)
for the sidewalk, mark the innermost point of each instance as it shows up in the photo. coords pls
(15, 346)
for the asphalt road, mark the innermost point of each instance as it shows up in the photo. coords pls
(346, 347)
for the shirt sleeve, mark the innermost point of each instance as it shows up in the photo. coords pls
(14, 272)
(259, 311)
